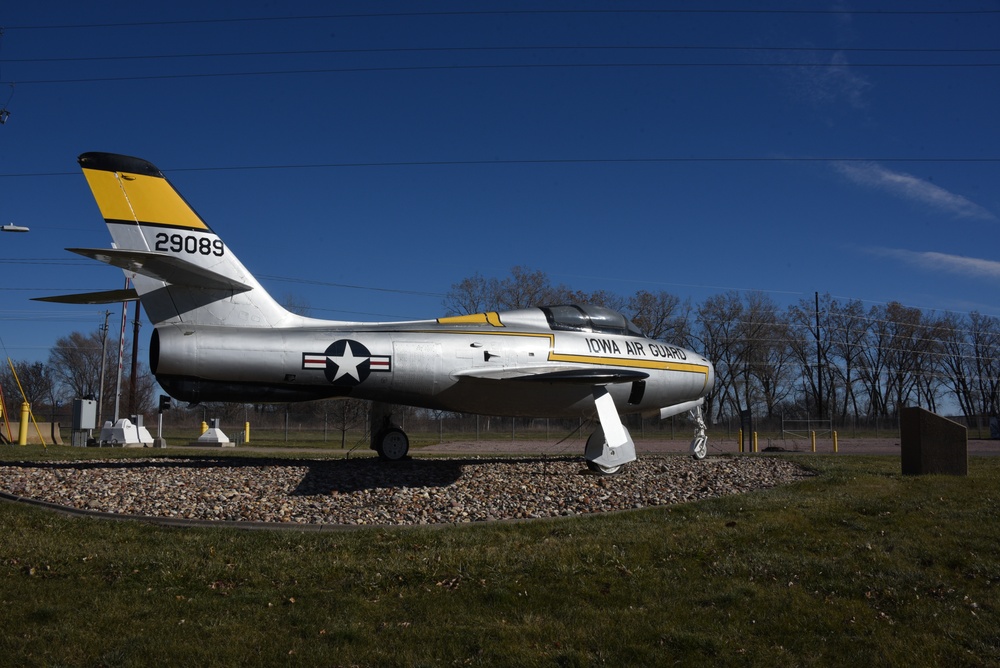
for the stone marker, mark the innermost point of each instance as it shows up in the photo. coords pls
(930, 443)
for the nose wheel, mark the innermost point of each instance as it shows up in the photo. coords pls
(699, 444)
(699, 447)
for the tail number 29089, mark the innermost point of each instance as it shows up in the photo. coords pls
(180, 243)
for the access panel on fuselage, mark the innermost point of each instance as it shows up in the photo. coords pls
(416, 367)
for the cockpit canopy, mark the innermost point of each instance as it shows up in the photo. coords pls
(589, 318)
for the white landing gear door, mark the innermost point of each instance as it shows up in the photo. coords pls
(618, 445)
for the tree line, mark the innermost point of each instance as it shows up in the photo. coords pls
(74, 371)
(819, 358)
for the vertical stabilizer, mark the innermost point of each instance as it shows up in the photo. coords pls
(182, 271)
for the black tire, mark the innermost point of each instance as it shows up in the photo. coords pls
(392, 444)
(604, 470)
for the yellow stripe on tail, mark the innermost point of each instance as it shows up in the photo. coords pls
(146, 198)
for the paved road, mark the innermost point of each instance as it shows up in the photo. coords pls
(574, 447)
(856, 446)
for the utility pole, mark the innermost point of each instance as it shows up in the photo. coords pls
(104, 362)
(819, 365)
(133, 404)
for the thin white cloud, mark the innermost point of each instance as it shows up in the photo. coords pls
(830, 84)
(846, 82)
(909, 187)
(942, 262)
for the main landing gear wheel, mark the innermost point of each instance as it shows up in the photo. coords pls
(604, 470)
(392, 444)
(596, 444)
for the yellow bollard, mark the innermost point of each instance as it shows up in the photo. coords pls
(740, 437)
(22, 430)
(246, 432)
(204, 427)
(834, 442)
(812, 437)
(755, 441)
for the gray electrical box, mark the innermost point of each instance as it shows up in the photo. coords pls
(84, 414)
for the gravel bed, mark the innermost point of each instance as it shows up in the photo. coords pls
(371, 492)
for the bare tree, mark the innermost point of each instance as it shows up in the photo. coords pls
(765, 357)
(662, 316)
(470, 295)
(957, 364)
(34, 378)
(908, 355)
(523, 288)
(846, 327)
(971, 361)
(563, 295)
(346, 414)
(75, 365)
(985, 338)
(296, 304)
(717, 333)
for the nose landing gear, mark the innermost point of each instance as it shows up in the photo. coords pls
(699, 444)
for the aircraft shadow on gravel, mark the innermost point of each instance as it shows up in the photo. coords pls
(323, 476)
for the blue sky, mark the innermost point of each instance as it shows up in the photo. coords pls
(840, 149)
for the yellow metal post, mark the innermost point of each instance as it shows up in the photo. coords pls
(812, 437)
(22, 430)
(755, 441)
(740, 437)
(834, 442)
(25, 407)
(246, 432)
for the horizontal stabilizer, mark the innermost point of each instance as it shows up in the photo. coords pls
(545, 374)
(163, 267)
(102, 297)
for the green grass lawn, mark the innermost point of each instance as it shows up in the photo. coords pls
(857, 566)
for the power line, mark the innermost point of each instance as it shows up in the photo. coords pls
(481, 49)
(528, 12)
(557, 161)
(302, 281)
(522, 66)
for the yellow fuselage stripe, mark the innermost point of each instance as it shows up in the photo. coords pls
(491, 318)
(630, 362)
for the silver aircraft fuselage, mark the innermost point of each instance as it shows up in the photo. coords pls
(506, 363)
(219, 336)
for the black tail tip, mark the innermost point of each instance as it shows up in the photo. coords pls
(113, 162)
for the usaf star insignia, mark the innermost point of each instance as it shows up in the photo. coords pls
(346, 363)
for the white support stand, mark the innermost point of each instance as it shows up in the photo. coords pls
(214, 436)
(617, 447)
(125, 434)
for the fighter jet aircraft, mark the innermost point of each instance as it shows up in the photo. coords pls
(219, 336)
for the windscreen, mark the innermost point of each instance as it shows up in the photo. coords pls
(589, 318)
